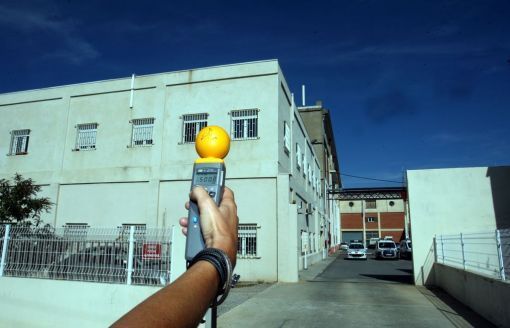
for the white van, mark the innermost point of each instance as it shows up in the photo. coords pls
(386, 249)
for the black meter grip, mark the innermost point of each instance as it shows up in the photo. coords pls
(194, 241)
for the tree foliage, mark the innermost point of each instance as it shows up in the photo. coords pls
(19, 203)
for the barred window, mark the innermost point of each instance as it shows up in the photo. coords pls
(247, 240)
(142, 132)
(286, 136)
(191, 125)
(19, 142)
(244, 124)
(298, 156)
(86, 136)
(370, 204)
(76, 231)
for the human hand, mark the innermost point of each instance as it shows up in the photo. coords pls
(219, 224)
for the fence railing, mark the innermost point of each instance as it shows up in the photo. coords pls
(126, 255)
(486, 253)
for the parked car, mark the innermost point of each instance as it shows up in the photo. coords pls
(386, 249)
(356, 251)
(373, 242)
(406, 250)
(344, 246)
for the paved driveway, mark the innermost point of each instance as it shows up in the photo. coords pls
(371, 270)
(343, 296)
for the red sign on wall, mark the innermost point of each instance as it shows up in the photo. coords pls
(151, 251)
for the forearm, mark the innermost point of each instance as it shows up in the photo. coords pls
(181, 304)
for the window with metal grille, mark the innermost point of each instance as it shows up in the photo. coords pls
(247, 240)
(19, 142)
(76, 231)
(370, 204)
(191, 125)
(286, 137)
(142, 132)
(86, 136)
(244, 124)
(298, 156)
(305, 166)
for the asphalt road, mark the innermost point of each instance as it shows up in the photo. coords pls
(370, 270)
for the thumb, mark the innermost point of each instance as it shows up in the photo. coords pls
(200, 196)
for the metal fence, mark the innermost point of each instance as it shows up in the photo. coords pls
(124, 255)
(486, 253)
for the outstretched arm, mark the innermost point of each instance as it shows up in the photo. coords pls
(184, 302)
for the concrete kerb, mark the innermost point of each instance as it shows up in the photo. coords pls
(317, 268)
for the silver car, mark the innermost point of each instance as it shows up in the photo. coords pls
(356, 251)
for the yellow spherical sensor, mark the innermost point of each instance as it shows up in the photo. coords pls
(212, 144)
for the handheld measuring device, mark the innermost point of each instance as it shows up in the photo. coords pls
(212, 145)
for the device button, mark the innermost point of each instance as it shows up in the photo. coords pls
(195, 219)
(212, 193)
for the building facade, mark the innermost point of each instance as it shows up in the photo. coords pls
(373, 213)
(317, 121)
(120, 153)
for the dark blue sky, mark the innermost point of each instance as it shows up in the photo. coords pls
(410, 84)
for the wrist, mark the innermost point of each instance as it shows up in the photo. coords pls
(228, 246)
(222, 264)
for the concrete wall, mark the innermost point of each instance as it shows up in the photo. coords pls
(446, 201)
(488, 297)
(49, 303)
(500, 186)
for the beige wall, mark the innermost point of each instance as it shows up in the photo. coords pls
(106, 204)
(446, 201)
(49, 303)
(382, 205)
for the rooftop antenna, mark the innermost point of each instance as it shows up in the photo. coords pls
(303, 95)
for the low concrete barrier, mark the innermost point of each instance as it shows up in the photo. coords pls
(484, 295)
(28, 302)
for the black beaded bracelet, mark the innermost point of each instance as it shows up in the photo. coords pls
(222, 264)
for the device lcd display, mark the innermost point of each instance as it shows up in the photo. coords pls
(206, 178)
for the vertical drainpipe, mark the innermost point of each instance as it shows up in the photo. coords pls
(132, 91)
(363, 220)
(291, 140)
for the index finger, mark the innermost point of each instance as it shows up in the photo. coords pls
(228, 194)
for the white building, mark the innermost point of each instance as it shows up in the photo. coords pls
(120, 152)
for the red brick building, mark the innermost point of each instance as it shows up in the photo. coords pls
(373, 213)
